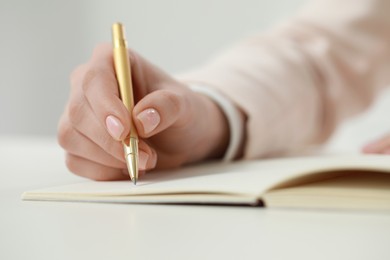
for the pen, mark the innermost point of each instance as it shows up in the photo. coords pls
(123, 75)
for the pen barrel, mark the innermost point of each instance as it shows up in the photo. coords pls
(130, 146)
(123, 69)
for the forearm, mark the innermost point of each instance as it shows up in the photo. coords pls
(297, 82)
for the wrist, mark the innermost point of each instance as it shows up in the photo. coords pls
(234, 117)
(214, 128)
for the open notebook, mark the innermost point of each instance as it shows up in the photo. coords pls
(347, 182)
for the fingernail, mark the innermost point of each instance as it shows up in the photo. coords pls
(142, 160)
(114, 127)
(149, 119)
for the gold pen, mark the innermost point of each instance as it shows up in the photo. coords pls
(123, 75)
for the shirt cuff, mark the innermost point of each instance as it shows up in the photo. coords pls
(233, 116)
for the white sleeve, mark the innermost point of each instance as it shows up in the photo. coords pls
(233, 116)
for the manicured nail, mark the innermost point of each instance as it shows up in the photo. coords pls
(142, 160)
(114, 127)
(149, 119)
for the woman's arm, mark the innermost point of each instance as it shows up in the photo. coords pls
(296, 82)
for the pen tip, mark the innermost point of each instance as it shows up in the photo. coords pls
(132, 165)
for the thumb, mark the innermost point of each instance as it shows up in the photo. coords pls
(158, 111)
(146, 77)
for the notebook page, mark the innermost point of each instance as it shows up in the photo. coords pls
(251, 178)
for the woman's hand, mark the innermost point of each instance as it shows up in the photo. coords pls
(379, 146)
(175, 125)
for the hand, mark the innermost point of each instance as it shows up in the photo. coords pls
(379, 146)
(176, 126)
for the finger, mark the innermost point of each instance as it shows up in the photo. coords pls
(77, 144)
(97, 82)
(158, 111)
(100, 88)
(89, 169)
(147, 156)
(84, 121)
(101, 91)
(146, 77)
(381, 145)
(88, 127)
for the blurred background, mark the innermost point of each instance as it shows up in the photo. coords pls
(43, 41)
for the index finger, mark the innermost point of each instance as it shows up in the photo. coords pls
(100, 89)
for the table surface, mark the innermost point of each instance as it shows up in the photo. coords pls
(60, 230)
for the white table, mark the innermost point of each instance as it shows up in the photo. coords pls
(54, 230)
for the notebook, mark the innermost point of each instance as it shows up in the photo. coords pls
(339, 182)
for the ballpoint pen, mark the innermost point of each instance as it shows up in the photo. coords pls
(123, 75)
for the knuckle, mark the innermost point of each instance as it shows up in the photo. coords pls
(74, 165)
(111, 146)
(174, 100)
(76, 74)
(108, 144)
(71, 164)
(133, 56)
(65, 132)
(96, 76)
(90, 75)
(75, 111)
(101, 47)
(101, 175)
